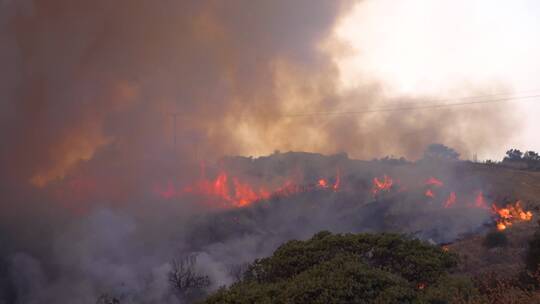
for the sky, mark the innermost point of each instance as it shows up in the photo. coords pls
(437, 48)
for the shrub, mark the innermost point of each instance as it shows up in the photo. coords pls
(495, 239)
(350, 268)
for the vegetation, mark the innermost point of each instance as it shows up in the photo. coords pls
(529, 160)
(351, 268)
(360, 268)
(186, 282)
(440, 152)
(495, 239)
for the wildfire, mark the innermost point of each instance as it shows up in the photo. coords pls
(432, 181)
(510, 214)
(337, 184)
(480, 201)
(226, 189)
(385, 184)
(322, 183)
(235, 193)
(168, 192)
(451, 200)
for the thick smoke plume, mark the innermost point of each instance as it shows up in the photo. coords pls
(101, 100)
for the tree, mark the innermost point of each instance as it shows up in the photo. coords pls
(184, 279)
(440, 152)
(531, 156)
(513, 155)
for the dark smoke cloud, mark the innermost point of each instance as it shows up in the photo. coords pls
(87, 90)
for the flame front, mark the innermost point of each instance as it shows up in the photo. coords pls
(235, 193)
(432, 181)
(232, 192)
(480, 202)
(451, 200)
(381, 185)
(510, 214)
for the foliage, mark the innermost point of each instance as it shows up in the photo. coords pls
(513, 155)
(495, 239)
(497, 289)
(440, 152)
(530, 159)
(351, 268)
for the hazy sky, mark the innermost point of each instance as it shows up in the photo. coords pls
(438, 48)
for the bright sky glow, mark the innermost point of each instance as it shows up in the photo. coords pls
(446, 48)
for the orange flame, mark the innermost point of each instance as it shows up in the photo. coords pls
(451, 200)
(510, 214)
(382, 185)
(322, 183)
(480, 201)
(232, 191)
(432, 181)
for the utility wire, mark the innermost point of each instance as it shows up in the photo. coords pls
(412, 107)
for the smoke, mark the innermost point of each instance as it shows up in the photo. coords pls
(101, 100)
(83, 77)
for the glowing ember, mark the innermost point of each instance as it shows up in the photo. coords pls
(432, 181)
(510, 214)
(450, 201)
(322, 183)
(381, 185)
(429, 193)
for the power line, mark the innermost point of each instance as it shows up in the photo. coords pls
(416, 106)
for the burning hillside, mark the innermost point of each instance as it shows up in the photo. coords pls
(226, 190)
(238, 209)
(116, 118)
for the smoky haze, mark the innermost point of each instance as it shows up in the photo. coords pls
(88, 90)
